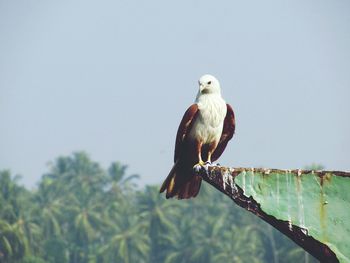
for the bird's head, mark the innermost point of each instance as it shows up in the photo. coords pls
(208, 84)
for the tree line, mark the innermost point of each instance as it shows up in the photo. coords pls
(82, 213)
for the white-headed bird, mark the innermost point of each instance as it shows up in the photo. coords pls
(202, 136)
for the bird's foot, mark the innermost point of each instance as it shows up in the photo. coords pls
(202, 165)
(197, 167)
(206, 167)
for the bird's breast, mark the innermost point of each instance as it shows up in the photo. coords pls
(208, 125)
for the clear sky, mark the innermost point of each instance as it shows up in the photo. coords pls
(113, 78)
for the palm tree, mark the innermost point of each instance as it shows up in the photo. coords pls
(208, 236)
(29, 232)
(49, 210)
(160, 215)
(19, 234)
(129, 241)
(85, 226)
(71, 204)
(10, 194)
(240, 245)
(120, 184)
(183, 243)
(12, 243)
(75, 174)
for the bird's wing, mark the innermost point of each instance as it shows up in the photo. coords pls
(185, 128)
(227, 133)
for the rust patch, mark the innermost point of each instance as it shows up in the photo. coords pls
(325, 178)
(298, 184)
(323, 215)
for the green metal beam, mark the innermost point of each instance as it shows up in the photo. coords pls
(310, 207)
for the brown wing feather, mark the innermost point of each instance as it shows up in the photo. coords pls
(184, 128)
(180, 183)
(227, 133)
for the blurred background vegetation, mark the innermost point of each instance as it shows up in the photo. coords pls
(82, 213)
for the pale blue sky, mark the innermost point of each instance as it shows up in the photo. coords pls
(113, 78)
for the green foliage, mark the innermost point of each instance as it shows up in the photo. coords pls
(82, 213)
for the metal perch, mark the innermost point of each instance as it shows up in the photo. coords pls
(310, 207)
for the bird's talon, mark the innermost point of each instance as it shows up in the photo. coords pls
(197, 167)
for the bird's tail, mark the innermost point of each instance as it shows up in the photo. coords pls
(181, 183)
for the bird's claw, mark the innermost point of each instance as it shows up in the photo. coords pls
(197, 167)
(206, 166)
(202, 165)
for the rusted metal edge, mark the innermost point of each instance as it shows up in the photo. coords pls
(222, 178)
(320, 173)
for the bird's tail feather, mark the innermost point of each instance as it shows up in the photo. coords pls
(181, 183)
(170, 178)
(190, 188)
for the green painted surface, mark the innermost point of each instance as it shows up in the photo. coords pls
(320, 206)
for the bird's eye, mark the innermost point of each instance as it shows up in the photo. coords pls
(209, 82)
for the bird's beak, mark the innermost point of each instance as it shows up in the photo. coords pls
(203, 89)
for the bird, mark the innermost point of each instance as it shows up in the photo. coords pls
(204, 131)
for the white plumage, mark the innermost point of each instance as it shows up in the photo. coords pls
(207, 128)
